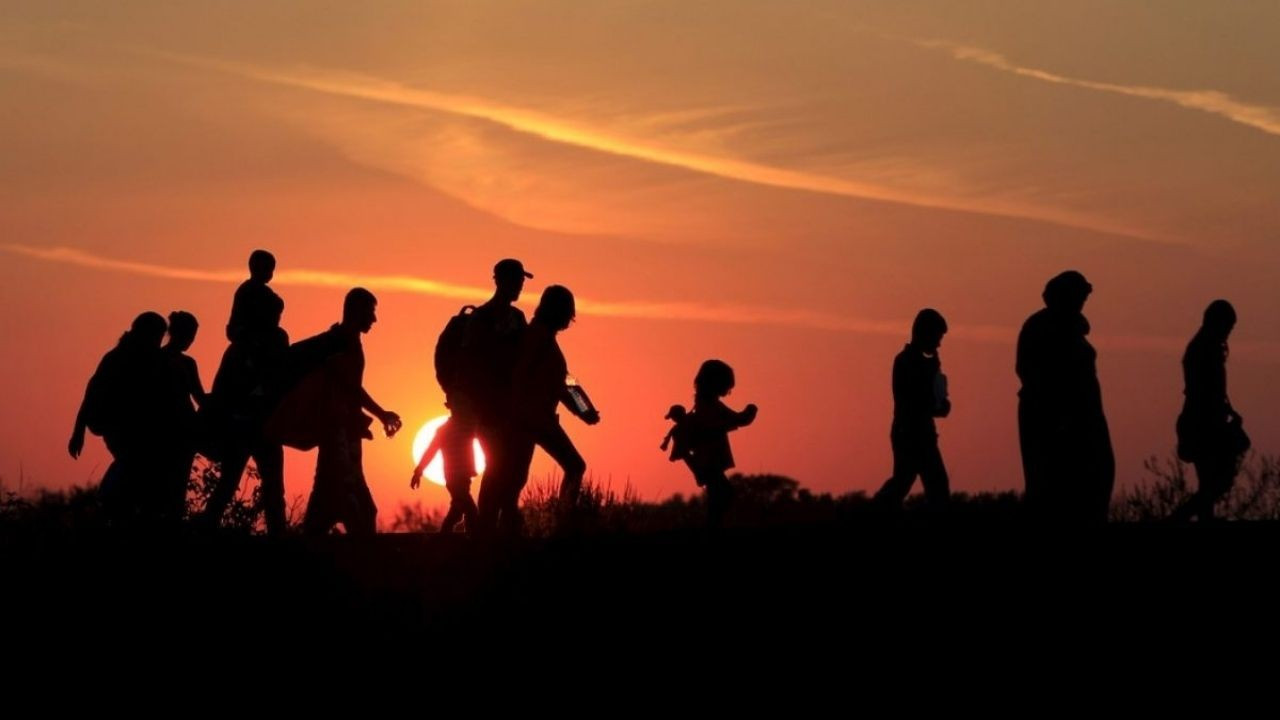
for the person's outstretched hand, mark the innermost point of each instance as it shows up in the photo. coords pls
(750, 411)
(416, 480)
(591, 418)
(77, 444)
(391, 423)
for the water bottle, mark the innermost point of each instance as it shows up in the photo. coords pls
(581, 402)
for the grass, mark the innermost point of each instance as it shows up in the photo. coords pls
(761, 501)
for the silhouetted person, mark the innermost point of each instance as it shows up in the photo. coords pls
(701, 437)
(919, 396)
(185, 394)
(484, 395)
(1067, 459)
(124, 403)
(453, 440)
(1210, 432)
(538, 386)
(340, 494)
(256, 308)
(244, 393)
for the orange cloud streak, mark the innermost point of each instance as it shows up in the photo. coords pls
(1214, 102)
(547, 127)
(640, 310)
(735, 314)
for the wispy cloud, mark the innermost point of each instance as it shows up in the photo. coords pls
(608, 140)
(1260, 117)
(682, 311)
(640, 310)
(311, 278)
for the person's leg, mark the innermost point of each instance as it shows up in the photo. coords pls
(458, 454)
(322, 512)
(228, 483)
(517, 457)
(143, 475)
(341, 494)
(1194, 506)
(461, 506)
(491, 493)
(1215, 476)
(122, 485)
(269, 458)
(362, 518)
(719, 497)
(906, 465)
(177, 476)
(1227, 469)
(109, 489)
(556, 442)
(933, 475)
(1032, 441)
(451, 518)
(1102, 472)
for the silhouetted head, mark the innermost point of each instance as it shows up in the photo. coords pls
(509, 276)
(927, 330)
(182, 330)
(677, 413)
(262, 266)
(146, 332)
(359, 310)
(1219, 319)
(556, 309)
(1067, 291)
(714, 378)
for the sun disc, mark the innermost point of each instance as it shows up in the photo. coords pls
(435, 469)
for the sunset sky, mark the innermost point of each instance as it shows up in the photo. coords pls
(780, 185)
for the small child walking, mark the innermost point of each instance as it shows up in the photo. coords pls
(701, 437)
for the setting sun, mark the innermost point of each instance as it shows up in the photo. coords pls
(435, 469)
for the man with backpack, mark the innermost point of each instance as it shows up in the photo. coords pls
(477, 381)
(326, 406)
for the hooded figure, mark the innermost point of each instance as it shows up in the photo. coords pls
(1067, 459)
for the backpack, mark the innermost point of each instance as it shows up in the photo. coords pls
(448, 355)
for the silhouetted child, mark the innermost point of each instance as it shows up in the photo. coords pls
(256, 308)
(701, 437)
(454, 443)
(184, 393)
(919, 396)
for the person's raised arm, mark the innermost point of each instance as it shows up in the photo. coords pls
(425, 460)
(746, 417)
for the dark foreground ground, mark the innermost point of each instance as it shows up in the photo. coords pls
(795, 592)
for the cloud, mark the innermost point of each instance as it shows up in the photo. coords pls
(578, 134)
(1214, 102)
(682, 311)
(311, 278)
(639, 310)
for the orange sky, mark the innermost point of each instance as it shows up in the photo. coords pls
(779, 188)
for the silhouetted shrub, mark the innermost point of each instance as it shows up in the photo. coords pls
(1255, 496)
